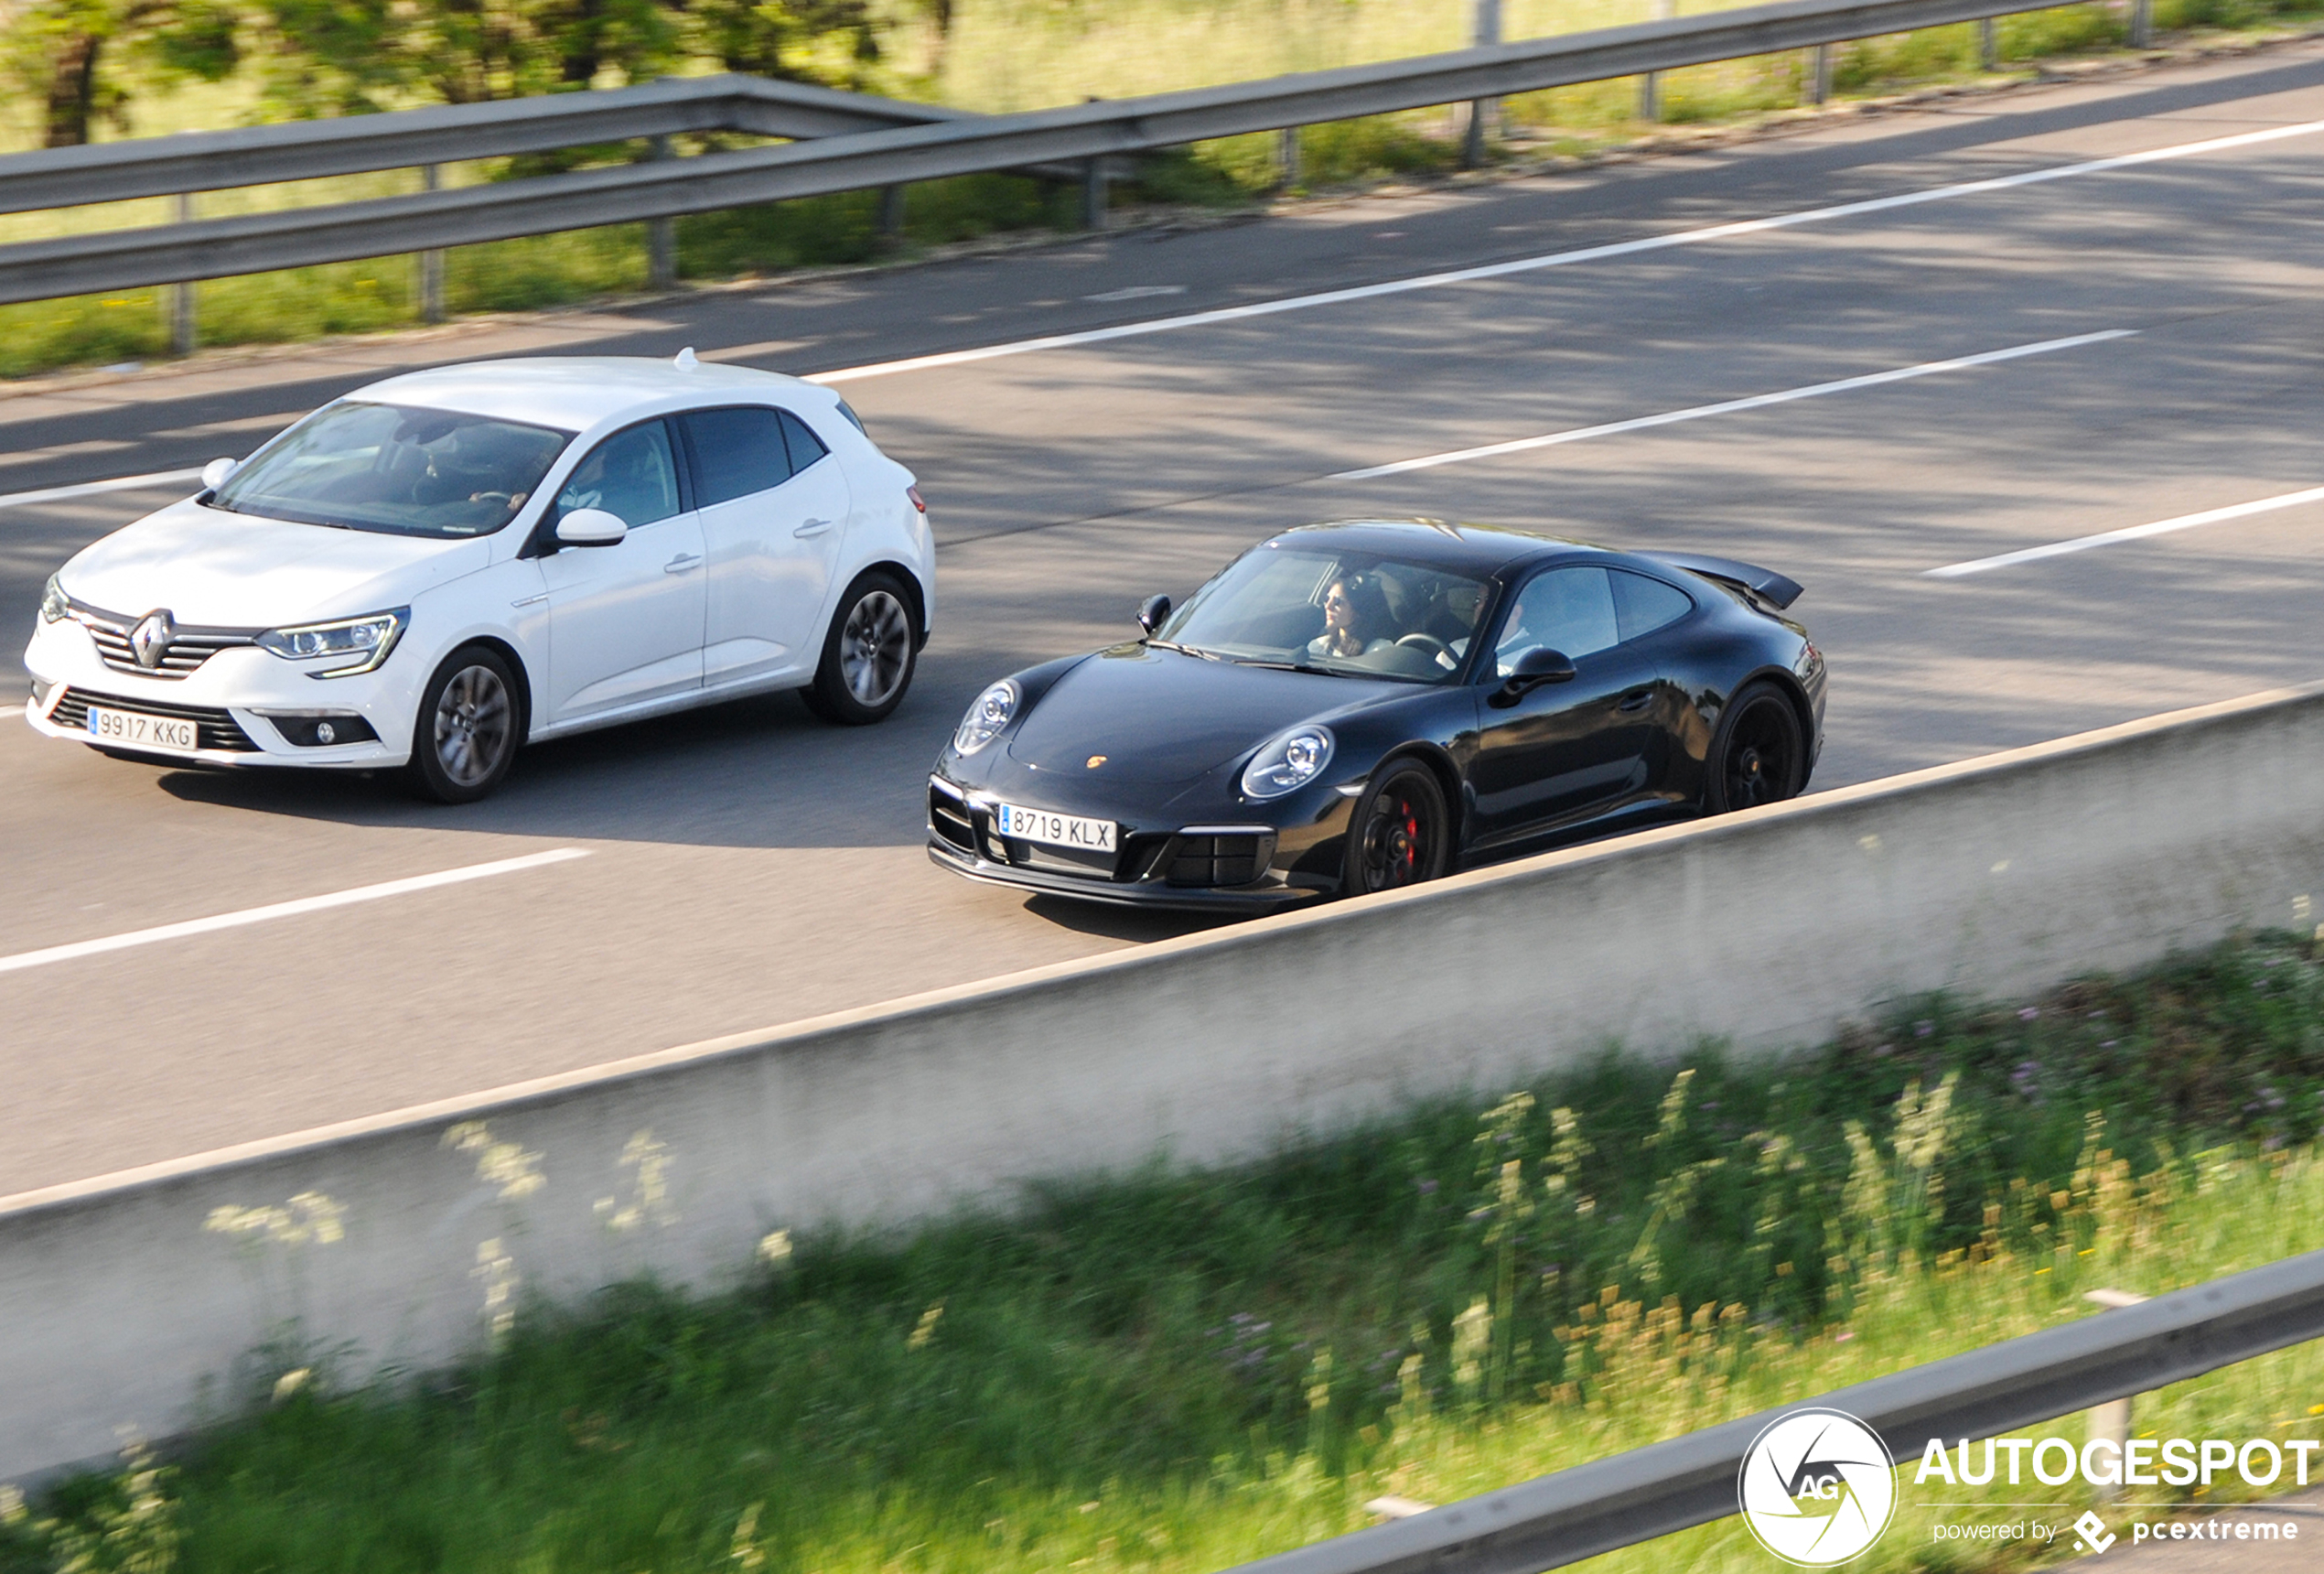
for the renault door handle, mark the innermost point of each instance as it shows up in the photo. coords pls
(684, 561)
(1635, 701)
(813, 527)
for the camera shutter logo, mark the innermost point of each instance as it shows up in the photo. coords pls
(1817, 1487)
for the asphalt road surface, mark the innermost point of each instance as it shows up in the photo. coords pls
(746, 865)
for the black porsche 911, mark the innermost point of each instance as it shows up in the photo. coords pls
(1357, 707)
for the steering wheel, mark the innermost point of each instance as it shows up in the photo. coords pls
(1431, 644)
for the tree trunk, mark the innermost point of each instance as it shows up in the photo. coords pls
(72, 87)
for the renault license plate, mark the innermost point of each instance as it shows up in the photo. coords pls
(134, 730)
(1057, 830)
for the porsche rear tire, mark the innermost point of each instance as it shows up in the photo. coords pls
(1401, 833)
(1760, 754)
(869, 653)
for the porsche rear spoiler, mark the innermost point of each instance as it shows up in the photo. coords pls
(1770, 587)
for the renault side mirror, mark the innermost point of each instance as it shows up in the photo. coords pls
(216, 473)
(1151, 611)
(590, 527)
(1535, 668)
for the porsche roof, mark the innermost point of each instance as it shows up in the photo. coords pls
(1471, 548)
(576, 393)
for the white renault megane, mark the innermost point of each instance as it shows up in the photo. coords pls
(442, 565)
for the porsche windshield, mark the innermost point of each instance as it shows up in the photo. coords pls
(397, 470)
(1357, 614)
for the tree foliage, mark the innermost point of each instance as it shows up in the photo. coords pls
(78, 58)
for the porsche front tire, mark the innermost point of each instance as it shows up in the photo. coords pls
(1401, 833)
(869, 653)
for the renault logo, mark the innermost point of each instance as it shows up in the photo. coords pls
(150, 638)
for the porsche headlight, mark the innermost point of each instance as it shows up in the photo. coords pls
(994, 710)
(54, 606)
(365, 642)
(1288, 763)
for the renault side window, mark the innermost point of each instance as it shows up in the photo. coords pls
(1642, 605)
(737, 452)
(804, 445)
(632, 475)
(1570, 610)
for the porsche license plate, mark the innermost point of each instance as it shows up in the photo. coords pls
(1057, 830)
(137, 730)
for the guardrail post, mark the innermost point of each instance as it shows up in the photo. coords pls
(1988, 45)
(2111, 1420)
(2142, 23)
(1093, 193)
(431, 263)
(181, 295)
(1287, 155)
(891, 216)
(1650, 86)
(661, 234)
(1481, 111)
(1820, 73)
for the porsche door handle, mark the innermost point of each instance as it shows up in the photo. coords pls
(1638, 700)
(684, 561)
(813, 527)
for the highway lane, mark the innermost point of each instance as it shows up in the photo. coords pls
(747, 865)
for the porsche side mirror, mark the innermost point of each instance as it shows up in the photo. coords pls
(1535, 668)
(216, 473)
(1151, 611)
(590, 527)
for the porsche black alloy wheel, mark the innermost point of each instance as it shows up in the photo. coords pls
(1761, 757)
(868, 654)
(1400, 832)
(467, 732)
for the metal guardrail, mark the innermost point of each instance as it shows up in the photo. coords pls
(846, 160)
(355, 145)
(1628, 1498)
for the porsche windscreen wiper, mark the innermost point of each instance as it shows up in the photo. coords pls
(1186, 649)
(1291, 667)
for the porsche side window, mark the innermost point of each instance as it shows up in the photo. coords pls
(804, 445)
(1567, 610)
(632, 475)
(737, 451)
(1644, 605)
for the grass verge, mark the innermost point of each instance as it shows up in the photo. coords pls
(1174, 1370)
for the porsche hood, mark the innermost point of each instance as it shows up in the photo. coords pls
(1172, 718)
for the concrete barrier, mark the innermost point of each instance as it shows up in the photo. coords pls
(135, 1299)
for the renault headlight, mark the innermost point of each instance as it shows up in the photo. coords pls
(364, 643)
(1288, 763)
(994, 710)
(55, 605)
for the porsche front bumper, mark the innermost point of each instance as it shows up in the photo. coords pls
(1243, 868)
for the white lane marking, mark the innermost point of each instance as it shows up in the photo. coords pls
(2128, 533)
(1731, 406)
(90, 489)
(1419, 281)
(1567, 259)
(23, 959)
